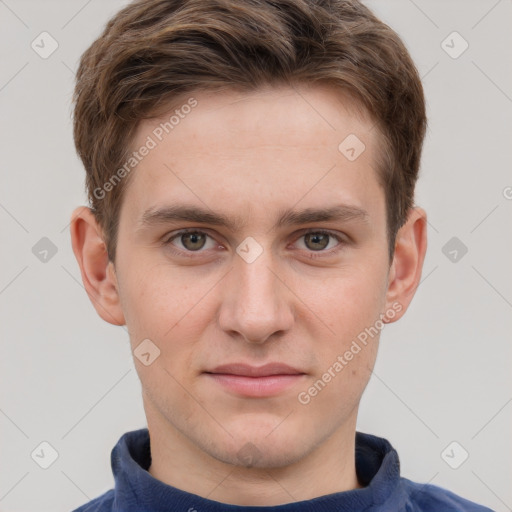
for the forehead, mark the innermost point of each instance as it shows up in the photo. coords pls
(237, 149)
(289, 111)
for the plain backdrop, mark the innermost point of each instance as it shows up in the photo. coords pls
(443, 372)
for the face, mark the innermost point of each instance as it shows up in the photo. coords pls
(283, 264)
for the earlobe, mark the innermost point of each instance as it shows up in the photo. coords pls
(405, 271)
(98, 273)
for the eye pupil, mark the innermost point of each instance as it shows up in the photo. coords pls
(197, 240)
(317, 238)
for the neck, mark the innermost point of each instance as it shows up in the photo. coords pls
(327, 469)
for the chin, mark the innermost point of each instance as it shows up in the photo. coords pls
(250, 455)
(254, 448)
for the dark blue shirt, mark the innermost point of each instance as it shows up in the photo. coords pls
(377, 468)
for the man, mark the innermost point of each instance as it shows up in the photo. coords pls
(251, 169)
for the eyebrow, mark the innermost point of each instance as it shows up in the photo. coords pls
(183, 212)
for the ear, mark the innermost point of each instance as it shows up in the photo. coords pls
(98, 272)
(407, 264)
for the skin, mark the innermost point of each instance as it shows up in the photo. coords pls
(249, 156)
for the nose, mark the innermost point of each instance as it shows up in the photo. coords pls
(256, 305)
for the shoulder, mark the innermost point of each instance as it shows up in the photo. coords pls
(102, 503)
(431, 498)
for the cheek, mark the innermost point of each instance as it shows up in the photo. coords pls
(344, 369)
(350, 306)
(155, 297)
(167, 307)
(348, 302)
(159, 307)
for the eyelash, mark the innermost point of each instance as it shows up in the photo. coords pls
(313, 254)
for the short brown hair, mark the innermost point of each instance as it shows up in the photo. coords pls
(154, 51)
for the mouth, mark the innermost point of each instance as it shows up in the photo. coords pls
(251, 381)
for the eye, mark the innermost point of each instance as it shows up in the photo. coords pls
(321, 241)
(191, 240)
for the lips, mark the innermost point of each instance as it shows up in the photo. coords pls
(256, 371)
(255, 381)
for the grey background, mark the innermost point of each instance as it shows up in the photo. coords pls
(443, 372)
